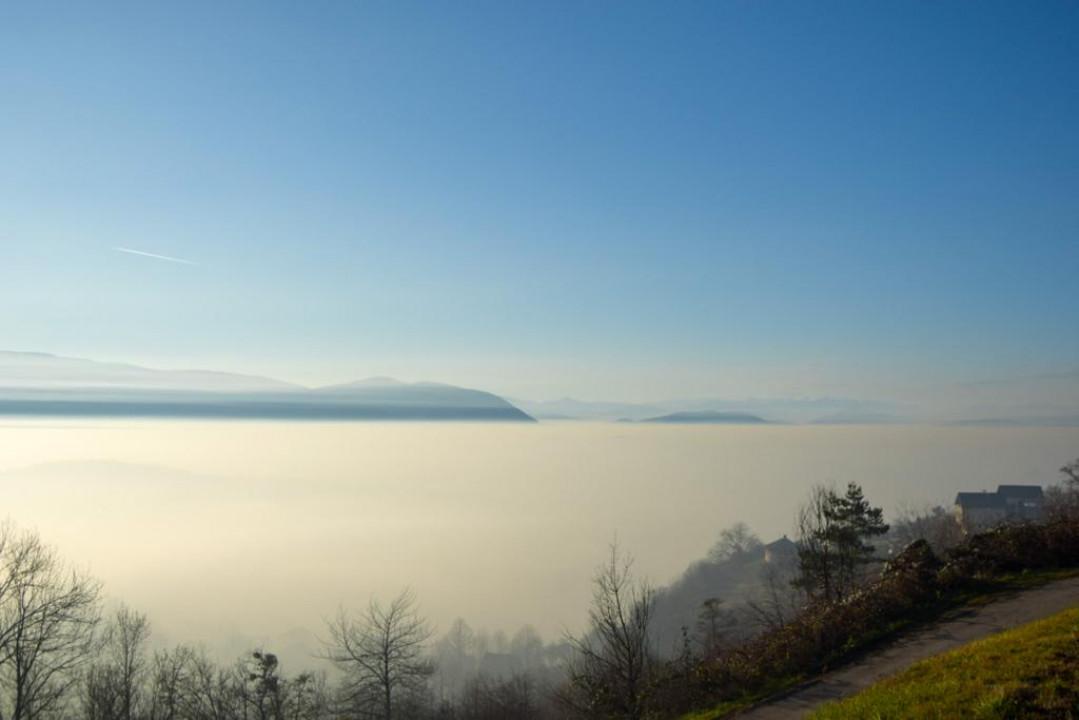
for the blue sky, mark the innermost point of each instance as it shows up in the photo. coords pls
(608, 200)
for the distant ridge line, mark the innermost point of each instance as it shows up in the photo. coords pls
(40, 384)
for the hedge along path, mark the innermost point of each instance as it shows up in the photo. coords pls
(955, 628)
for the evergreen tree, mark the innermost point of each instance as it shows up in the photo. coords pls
(853, 523)
(834, 544)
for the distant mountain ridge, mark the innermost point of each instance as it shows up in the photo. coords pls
(43, 370)
(43, 384)
(813, 410)
(706, 417)
(36, 383)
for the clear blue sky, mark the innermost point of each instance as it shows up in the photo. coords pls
(616, 200)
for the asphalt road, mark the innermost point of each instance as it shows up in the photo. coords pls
(956, 628)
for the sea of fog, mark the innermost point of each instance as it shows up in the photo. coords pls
(233, 534)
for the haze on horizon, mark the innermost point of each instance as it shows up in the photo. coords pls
(628, 203)
(34, 384)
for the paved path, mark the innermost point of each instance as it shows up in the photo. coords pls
(956, 628)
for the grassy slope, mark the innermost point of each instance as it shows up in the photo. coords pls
(1032, 671)
(986, 594)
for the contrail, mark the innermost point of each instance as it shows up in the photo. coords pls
(153, 255)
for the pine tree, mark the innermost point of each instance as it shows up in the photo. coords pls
(853, 523)
(835, 531)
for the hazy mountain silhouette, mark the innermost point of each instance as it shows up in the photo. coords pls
(42, 370)
(42, 384)
(855, 418)
(571, 409)
(706, 417)
(824, 410)
(1053, 421)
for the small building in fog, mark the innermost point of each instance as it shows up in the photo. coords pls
(1022, 501)
(976, 511)
(780, 552)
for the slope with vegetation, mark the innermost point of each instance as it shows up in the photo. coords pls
(917, 585)
(1032, 671)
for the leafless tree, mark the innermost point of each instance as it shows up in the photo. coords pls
(815, 553)
(1071, 474)
(114, 683)
(485, 698)
(526, 647)
(935, 525)
(1062, 501)
(130, 631)
(169, 677)
(734, 541)
(611, 669)
(185, 684)
(777, 600)
(307, 698)
(48, 616)
(714, 622)
(455, 653)
(209, 692)
(264, 690)
(382, 654)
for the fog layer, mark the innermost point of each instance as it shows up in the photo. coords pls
(232, 533)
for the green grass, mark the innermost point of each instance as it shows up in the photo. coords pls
(1032, 671)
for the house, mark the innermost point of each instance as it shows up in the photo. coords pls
(976, 511)
(780, 552)
(1022, 501)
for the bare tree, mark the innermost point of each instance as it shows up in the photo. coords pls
(1062, 501)
(1071, 474)
(185, 684)
(713, 623)
(526, 647)
(100, 699)
(777, 599)
(114, 683)
(264, 690)
(485, 698)
(935, 525)
(169, 678)
(816, 556)
(734, 541)
(612, 666)
(306, 698)
(130, 632)
(456, 654)
(382, 653)
(208, 692)
(48, 616)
